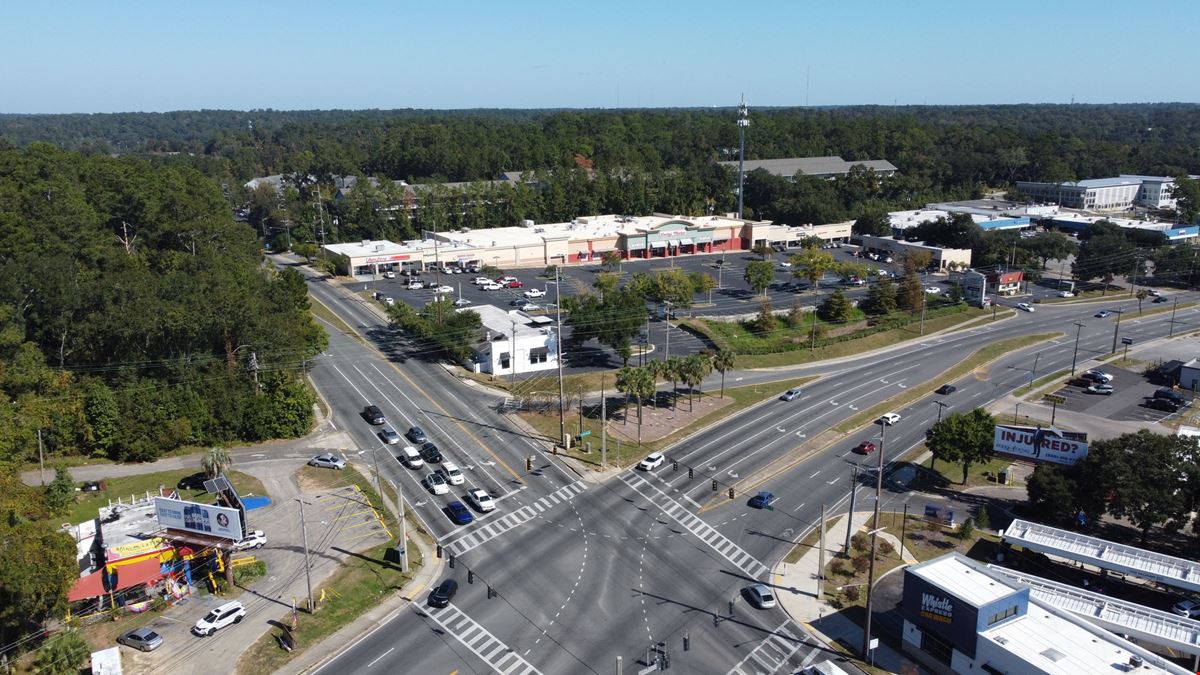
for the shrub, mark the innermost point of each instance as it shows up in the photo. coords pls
(966, 529)
(982, 520)
(860, 541)
(839, 567)
(885, 548)
(860, 563)
(852, 593)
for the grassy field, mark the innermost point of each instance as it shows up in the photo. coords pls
(980, 357)
(628, 453)
(546, 385)
(87, 504)
(360, 584)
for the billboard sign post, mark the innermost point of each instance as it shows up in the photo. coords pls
(213, 521)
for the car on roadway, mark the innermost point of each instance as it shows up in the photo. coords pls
(1102, 389)
(142, 639)
(534, 293)
(327, 460)
(416, 435)
(1103, 314)
(1154, 293)
(444, 289)
(933, 290)
(443, 594)
(373, 415)
(652, 461)
(791, 394)
(888, 419)
(1025, 306)
(220, 617)
(461, 302)
(761, 500)
(389, 436)
(481, 500)
(255, 539)
(435, 483)
(452, 473)
(491, 286)
(864, 448)
(1160, 299)
(1187, 607)
(459, 513)
(409, 456)
(946, 389)
(430, 453)
(785, 265)
(1066, 294)
(1097, 376)
(760, 596)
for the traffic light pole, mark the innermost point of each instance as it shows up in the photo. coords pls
(866, 645)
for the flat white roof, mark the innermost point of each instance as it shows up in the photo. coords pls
(360, 249)
(970, 584)
(1127, 223)
(581, 229)
(500, 321)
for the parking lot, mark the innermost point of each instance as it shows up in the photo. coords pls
(1127, 403)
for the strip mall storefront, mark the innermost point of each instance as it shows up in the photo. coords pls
(680, 237)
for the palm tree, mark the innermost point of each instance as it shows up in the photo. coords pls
(702, 365)
(1142, 294)
(639, 383)
(723, 361)
(674, 367)
(658, 370)
(216, 461)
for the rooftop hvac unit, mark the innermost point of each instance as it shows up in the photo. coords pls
(366, 242)
(527, 223)
(378, 248)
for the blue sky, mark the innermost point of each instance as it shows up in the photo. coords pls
(154, 56)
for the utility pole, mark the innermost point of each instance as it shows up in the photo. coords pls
(812, 347)
(924, 301)
(1171, 330)
(307, 567)
(403, 528)
(850, 514)
(743, 121)
(821, 569)
(866, 645)
(667, 354)
(1075, 355)
(1133, 276)
(512, 359)
(1116, 327)
(1033, 373)
(603, 426)
(581, 411)
(941, 406)
(562, 395)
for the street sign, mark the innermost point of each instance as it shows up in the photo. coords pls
(1055, 398)
(1126, 341)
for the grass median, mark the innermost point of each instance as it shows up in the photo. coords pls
(979, 358)
(1042, 382)
(325, 314)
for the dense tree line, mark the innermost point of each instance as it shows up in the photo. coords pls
(136, 317)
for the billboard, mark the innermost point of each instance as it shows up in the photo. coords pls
(1040, 444)
(214, 521)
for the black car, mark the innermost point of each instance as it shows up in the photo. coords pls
(416, 435)
(1163, 404)
(1170, 395)
(947, 389)
(373, 414)
(193, 482)
(430, 453)
(443, 594)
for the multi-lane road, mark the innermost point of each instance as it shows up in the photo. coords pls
(586, 572)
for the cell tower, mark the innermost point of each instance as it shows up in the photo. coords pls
(743, 121)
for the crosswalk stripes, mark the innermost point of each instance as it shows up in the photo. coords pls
(694, 524)
(476, 638)
(495, 528)
(772, 653)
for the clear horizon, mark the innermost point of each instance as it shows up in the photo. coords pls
(619, 55)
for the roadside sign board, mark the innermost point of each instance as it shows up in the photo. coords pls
(1126, 341)
(1055, 398)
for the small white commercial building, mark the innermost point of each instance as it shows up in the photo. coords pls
(512, 342)
(961, 617)
(941, 258)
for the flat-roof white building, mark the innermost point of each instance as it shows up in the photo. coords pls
(960, 617)
(902, 220)
(512, 342)
(1172, 231)
(1106, 194)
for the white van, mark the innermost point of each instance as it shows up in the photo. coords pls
(409, 456)
(825, 668)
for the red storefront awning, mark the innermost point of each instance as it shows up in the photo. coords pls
(135, 574)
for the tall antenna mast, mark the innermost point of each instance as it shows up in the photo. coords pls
(743, 121)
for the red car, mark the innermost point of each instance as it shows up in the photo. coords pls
(865, 448)
(513, 284)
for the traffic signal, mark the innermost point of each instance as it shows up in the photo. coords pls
(529, 463)
(439, 551)
(715, 486)
(691, 472)
(451, 563)
(675, 465)
(491, 593)
(731, 493)
(470, 576)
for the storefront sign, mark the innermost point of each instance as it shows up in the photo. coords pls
(387, 258)
(1040, 444)
(937, 608)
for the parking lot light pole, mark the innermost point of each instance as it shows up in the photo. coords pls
(1078, 326)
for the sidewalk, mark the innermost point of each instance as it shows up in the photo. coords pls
(796, 587)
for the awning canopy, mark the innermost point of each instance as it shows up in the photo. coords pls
(127, 576)
(658, 244)
(635, 244)
(686, 241)
(674, 243)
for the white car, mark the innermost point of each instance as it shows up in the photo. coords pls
(481, 500)
(255, 539)
(888, 419)
(220, 617)
(1025, 306)
(1098, 376)
(480, 281)
(445, 289)
(1154, 293)
(389, 275)
(1066, 294)
(389, 300)
(491, 286)
(652, 461)
(785, 265)
(437, 484)
(461, 302)
(411, 458)
(452, 473)
(534, 293)
(415, 285)
(933, 290)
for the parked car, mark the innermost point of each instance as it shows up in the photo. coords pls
(534, 293)
(1103, 314)
(513, 284)
(220, 617)
(481, 500)
(527, 306)
(947, 389)
(1171, 395)
(436, 484)
(791, 394)
(389, 300)
(1097, 376)
(430, 453)
(1163, 404)
(491, 286)
(1102, 389)
(444, 289)
(389, 436)
(864, 448)
(1066, 294)
(760, 596)
(255, 539)
(193, 482)
(459, 513)
(461, 302)
(409, 456)
(652, 461)
(453, 474)
(373, 414)
(389, 275)
(1187, 607)
(415, 285)
(888, 419)
(1025, 306)
(327, 460)
(480, 281)
(785, 265)
(443, 594)
(761, 500)
(142, 639)
(933, 290)
(416, 435)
